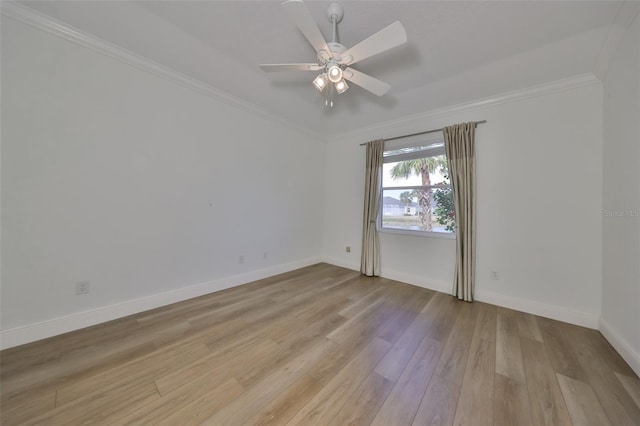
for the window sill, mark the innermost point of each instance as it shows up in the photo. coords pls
(442, 235)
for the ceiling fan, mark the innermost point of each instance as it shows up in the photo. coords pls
(335, 60)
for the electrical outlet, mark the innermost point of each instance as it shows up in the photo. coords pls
(495, 275)
(241, 259)
(82, 287)
(348, 249)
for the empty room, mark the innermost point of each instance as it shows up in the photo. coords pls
(320, 213)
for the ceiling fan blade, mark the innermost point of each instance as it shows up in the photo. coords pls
(301, 16)
(289, 67)
(365, 81)
(385, 39)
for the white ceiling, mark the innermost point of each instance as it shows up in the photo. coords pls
(457, 51)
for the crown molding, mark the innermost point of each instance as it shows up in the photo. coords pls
(627, 13)
(389, 128)
(43, 22)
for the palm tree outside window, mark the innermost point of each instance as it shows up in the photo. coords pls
(416, 192)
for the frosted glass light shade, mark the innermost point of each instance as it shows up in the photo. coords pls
(335, 73)
(320, 82)
(341, 86)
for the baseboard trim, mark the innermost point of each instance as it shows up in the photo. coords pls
(395, 275)
(418, 281)
(335, 261)
(555, 312)
(559, 313)
(32, 332)
(621, 345)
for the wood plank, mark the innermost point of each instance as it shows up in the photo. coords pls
(303, 300)
(511, 402)
(365, 323)
(508, 352)
(35, 406)
(228, 312)
(363, 303)
(486, 323)
(475, 404)
(403, 349)
(365, 401)
(560, 352)
(410, 307)
(199, 408)
(631, 385)
(440, 399)
(97, 407)
(582, 402)
(280, 410)
(212, 334)
(48, 377)
(337, 357)
(155, 364)
(592, 344)
(225, 363)
(259, 354)
(545, 398)
(528, 327)
(600, 364)
(332, 297)
(281, 329)
(440, 311)
(17, 360)
(173, 333)
(327, 402)
(209, 386)
(403, 402)
(290, 347)
(262, 393)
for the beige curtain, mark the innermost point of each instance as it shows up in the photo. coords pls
(460, 149)
(370, 261)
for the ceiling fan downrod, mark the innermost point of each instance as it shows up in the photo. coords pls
(335, 13)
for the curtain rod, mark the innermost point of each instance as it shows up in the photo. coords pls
(421, 133)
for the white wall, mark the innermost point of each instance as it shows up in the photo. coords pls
(151, 191)
(621, 200)
(113, 175)
(539, 174)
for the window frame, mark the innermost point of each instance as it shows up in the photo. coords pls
(436, 146)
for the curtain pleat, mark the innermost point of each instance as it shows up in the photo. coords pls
(459, 142)
(370, 260)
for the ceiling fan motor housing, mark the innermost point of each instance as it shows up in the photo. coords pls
(336, 49)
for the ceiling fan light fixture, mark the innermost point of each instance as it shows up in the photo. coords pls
(334, 60)
(320, 82)
(341, 86)
(335, 73)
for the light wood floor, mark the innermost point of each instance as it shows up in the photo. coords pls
(322, 345)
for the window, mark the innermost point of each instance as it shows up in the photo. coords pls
(416, 193)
